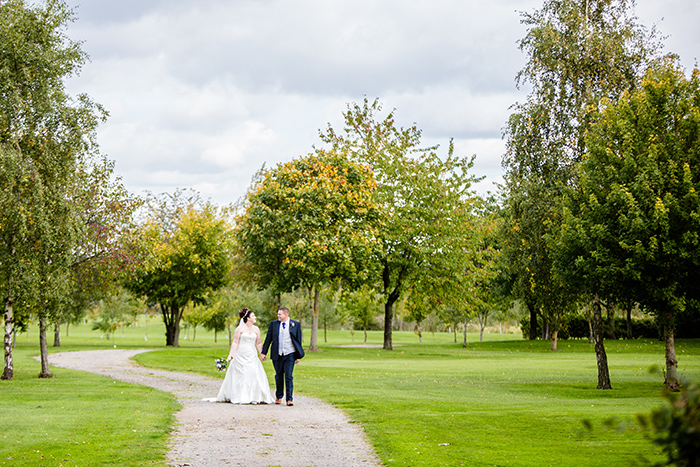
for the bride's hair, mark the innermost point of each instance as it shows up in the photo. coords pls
(244, 313)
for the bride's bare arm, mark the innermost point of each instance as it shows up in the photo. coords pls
(234, 344)
(258, 341)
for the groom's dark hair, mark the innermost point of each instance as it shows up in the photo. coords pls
(284, 309)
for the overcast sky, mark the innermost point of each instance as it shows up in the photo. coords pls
(202, 93)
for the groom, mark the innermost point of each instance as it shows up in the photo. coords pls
(285, 337)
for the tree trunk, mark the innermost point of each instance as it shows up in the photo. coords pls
(364, 328)
(601, 356)
(171, 318)
(464, 344)
(555, 335)
(57, 335)
(313, 307)
(194, 333)
(230, 336)
(67, 325)
(533, 319)
(9, 328)
(44, 350)
(391, 298)
(629, 322)
(671, 362)
(388, 316)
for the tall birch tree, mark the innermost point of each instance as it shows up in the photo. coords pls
(579, 52)
(47, 132)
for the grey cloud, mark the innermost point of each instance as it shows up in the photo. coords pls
(202, 93)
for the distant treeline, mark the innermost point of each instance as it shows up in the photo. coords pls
(576, 327)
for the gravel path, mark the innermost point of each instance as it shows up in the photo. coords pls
(208, 434)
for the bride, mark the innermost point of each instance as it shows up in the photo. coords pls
(245, 381)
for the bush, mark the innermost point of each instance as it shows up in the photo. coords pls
(525, 327)
(576, 327)
(688, 323)
(646, 328)
(676, 427)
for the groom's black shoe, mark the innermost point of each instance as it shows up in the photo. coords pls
(278, 401)
(290, 403)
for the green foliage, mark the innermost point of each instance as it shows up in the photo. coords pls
(577, 327)
(635, 218)
(217, 321)
(197, 316)
(23, 223)
(362, 306)
(631, 227)
(115, 310)
(49, 133)
(423, 201)
(185, 264)
(676, 427)
(108, 250)
(578, 53)
(310, 221)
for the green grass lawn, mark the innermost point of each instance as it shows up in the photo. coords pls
(505, 401)
(80, 419)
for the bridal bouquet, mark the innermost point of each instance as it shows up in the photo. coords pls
(221, 363)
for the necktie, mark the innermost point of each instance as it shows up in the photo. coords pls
(284, 325)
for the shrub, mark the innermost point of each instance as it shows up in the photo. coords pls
(676, 427)
(576, 327)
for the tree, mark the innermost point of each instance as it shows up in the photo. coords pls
(186, 263)
(418, 307)
(631, 228)
(114, 311)
(424, 202)
(224, 305)
(308, 222)
(106, 250)
(216, 322)
(22, 208)
(361, 305)
(48, 131)
(196, 316)
(579, 52)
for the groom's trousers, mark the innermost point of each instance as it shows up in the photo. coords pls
(284, 368)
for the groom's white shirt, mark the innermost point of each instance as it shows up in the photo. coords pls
(286, 346)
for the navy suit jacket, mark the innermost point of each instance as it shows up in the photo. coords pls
(272, 339)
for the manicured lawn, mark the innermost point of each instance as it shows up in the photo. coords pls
(80, 419)
(496, 403)
(501, 402)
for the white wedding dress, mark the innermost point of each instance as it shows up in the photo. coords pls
(245, 381)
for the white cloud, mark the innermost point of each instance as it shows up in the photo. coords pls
(201, 94)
